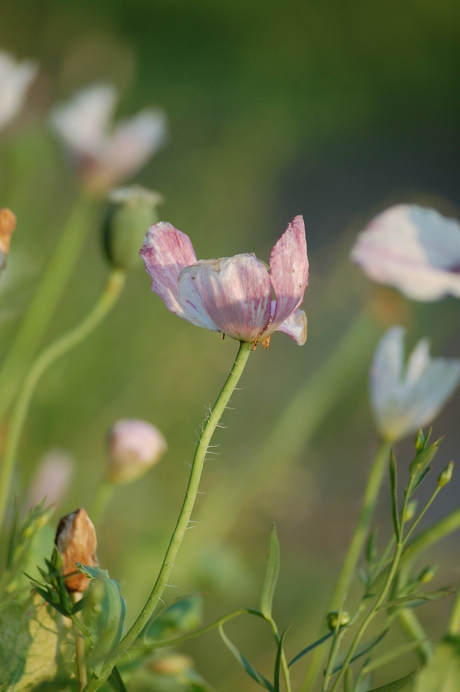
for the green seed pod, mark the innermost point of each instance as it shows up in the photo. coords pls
(332, 619)
(446, 475)
(410, 510)
(133, 211)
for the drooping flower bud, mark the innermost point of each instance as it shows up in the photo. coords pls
(333, 616)
(134, 446)
(7, 226)
(76, 542)
(446, 475)
(133, 211)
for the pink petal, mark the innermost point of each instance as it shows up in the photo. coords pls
(296, 326)
(166, 251)
(289, 270)
(234, 292)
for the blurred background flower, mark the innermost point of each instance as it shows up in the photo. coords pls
(15, 80)
(334, 110)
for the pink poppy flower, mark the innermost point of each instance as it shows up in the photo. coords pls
(414, 249)
(232, 295)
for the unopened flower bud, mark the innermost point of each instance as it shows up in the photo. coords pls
(420, 441)
(427, 574)
(172, 665)
(135, 446)
(7, 226)
(76, 542)
(446, 475)
(332, 619)
(52, 478)
(134, 211)
(410, 510)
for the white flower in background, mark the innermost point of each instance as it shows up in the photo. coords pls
(134, 446)
(107, 155)
(15, 79)
(415, 249)
(408, 397)
(52, 478)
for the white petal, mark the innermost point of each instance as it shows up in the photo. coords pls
(386, 371)
(83, 122)
(295, 326)
(15, 79)
(415, 249)
(411, 399)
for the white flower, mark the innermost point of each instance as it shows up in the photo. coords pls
(408, 397)
(15, 79)
(107, 156)
(415, 249)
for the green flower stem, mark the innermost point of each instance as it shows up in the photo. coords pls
(354, 551)
(432, 535)
(412, 628)
(454, 621)
(100, 502)
(45, 301)
(273, 457)
(284, 664)
(372, 613)
(57, 349)
(82, 673)
(183, 520)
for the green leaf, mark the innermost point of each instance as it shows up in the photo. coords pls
(394, 495)
(272, 569)
(391, 655)
(279, 656)
(418, 598)
(348, 680)
(184, 615)
(360, 651)
(33, 643)
(116, 681)
(399, 684)
(250, 670)
(442, 672)
(103, 614)
(309, 648)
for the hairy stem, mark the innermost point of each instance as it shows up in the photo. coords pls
(183, 520)
(57, 349)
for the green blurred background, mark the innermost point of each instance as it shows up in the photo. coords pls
(333, 110)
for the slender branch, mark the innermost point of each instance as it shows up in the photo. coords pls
(183, 520)
(46, 298)
(57, 349)
(284, 664)
(355, 548)
(454, 621)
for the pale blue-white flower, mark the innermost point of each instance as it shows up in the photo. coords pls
(406, 397)
(107, 155)
(15, 80)
(414, 249)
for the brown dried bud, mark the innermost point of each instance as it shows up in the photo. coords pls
(7, 226)
(76, 542)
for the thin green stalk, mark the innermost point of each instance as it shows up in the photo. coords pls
(421, 515)
(100, 502)
(412, 628)
(82, 673)
(432, 535)
(356, 546)
(284, 664)
(370, 616)
(454, 621)
(46, 298)
(183, 520)
(338, 636)
(57, 349)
